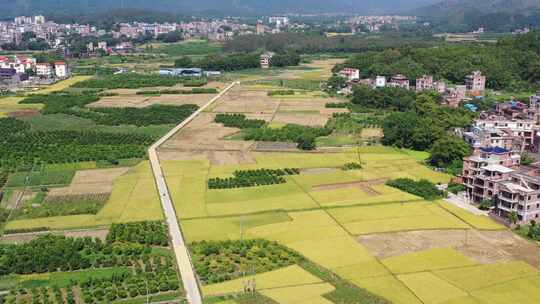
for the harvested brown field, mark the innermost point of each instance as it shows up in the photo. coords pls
(239, 100)
(141, 101)
(27, 237)
(304, 119)
(90, 182)
(369, 133)
(483, 246)
(365, 186)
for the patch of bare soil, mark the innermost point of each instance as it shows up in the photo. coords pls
(90, 182)
(317, 170)
(483, 246)
(304, 119)
(364, 186)
(24, 113)
(16, 196)
(270, 146)
(141, 101)
(27, 237)
(239, 100)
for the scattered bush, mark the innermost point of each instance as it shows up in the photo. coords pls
(351, 166)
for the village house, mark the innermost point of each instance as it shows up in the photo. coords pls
(350, 74)
(266, 59)
(484, 168)
(61, 69)
(475, 83)
(400, 81)
(44, 70)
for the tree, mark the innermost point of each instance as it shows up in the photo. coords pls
(184, 62)
(399, 128)
(526, 159)
(306, 142)
(336, 83)
(485, 204)
(513, 217)
(447, 150)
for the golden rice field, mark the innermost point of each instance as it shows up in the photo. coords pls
(322, 223)
(11, 104)
(61, 85)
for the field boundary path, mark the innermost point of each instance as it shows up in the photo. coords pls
(181, 251)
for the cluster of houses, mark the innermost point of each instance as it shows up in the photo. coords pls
(474, 85)
(17, 69)
(494, 171)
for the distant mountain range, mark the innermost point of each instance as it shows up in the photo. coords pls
(456, 7)
(225, 7)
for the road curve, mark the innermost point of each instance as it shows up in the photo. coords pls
(181, 252)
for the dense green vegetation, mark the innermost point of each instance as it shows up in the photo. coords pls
(222, 261)
(252, 178)
(302, 135)
(22, 146)
(61, 206)
(238, 121)
(229, 62)
(312, 43)
(130, 81)
(148, 233)
(187, 48)
(384, 98)
(513, 63)
(185, 92)
(422, 188)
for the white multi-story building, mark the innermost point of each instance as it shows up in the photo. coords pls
(44, 69)
(350, 74)
(61, 69)
(380, 82)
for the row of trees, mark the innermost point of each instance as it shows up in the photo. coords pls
(74, 104)
(22, 146)
(317, 42)
(148, 233)
(422, 188)
(252, 178)
(51, 253)
(180, 92)
(238, 121)
(226, 260)
(130, 81)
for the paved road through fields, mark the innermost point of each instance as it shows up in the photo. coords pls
(181, 252)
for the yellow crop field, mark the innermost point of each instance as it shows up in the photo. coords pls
(187, 186)
(288, 276)
(11, 104)
(390, 288)
(229, 228)
(431, 289)
(387, 211)
(62, 85)
(482, 276)
(134, 198)
(368, 269)
(438, 258)
(303, 294)
(522, 291)
(477, 221)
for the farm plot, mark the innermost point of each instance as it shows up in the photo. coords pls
(141, 101)
(9, 106)
(240, 100)
(90, 182)
(62, 85)
(133, 198)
